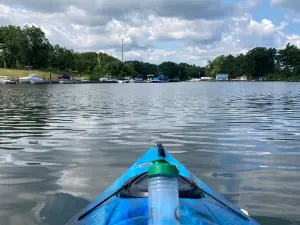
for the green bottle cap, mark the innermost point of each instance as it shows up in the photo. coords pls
(162, 167)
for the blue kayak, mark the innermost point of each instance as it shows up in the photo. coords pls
(125, 202)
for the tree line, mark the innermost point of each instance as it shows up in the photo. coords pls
(273, 64)
(28, 47)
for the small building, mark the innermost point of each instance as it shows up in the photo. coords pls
(222, 77)
(206, 78)
(243, 78)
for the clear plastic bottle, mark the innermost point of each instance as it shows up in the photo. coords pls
(163, 196)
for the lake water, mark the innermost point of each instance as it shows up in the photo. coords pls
(242, 139)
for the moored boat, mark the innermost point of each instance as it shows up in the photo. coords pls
(108, 79)
(140, 80)
(7, 80)
(126, 200)
(160, 79)
(32, 78)
(123, 81)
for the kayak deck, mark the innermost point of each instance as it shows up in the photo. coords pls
(125, 202)
(135, 211)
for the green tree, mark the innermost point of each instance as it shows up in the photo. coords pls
(240, 66)
(169, 69)
(38, 47)
(260, 61)
(143, 68)
(14, 46)
(289, 57)
(215, 66)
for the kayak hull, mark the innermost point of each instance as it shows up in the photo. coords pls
(126, 202)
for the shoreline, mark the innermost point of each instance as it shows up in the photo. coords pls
(99, 82)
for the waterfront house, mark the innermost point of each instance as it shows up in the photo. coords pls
(243, 78)
(222, 77)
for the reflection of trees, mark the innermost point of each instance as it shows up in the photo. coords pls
(263, 103)
(273, 220)
(229, 179)
(23, 111)
(60, 208)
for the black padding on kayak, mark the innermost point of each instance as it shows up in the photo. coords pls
(138, 188)
(161, 150)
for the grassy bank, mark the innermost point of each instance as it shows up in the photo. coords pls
(24, 73)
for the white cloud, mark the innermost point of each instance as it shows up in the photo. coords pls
(293, 39)
(249, 33)
(190, 9)
(202, 34)
(276, 2)
(292, 9)
(136, 31)
(296, 20)
(178, 29)
(293, 5)
(244, 34)
(159, 55)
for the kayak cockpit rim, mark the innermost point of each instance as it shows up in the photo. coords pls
(196, 192)
(125, 185)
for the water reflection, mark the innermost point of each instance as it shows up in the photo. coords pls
(23, 116)
(240, 138)
(58, 209)
(265, 220)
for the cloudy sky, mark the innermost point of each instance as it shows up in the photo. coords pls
(191, 31)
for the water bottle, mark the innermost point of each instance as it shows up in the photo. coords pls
(163, 195)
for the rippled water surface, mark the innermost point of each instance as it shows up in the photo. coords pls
(61, 145)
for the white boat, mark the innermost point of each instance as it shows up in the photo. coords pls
(83, 80)
(206, 78)
(32, 78)
(140, 80)
(108, 79)
(129, 79)
(195, 80)
(7, 80)
(123, 81)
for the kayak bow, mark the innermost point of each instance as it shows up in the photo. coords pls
(125, 202)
